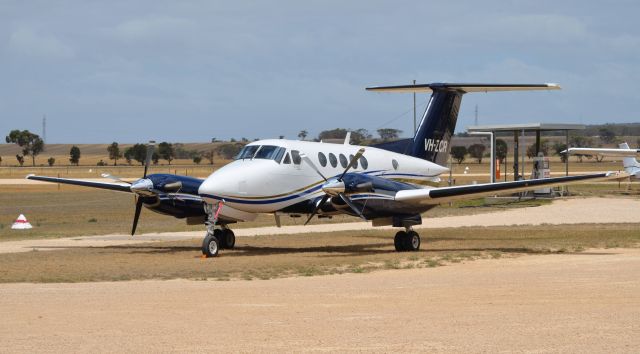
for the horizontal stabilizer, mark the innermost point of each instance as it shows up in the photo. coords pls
(464, 87)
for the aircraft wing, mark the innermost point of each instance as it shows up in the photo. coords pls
(604, 151)
(120, 187)
(447, 194)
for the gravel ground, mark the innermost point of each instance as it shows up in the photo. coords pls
(587, 302)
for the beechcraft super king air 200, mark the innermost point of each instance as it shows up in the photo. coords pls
(387, 184)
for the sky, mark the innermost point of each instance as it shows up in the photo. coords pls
(189, 71)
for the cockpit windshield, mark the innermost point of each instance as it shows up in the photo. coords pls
(268, 152)
(247, 152)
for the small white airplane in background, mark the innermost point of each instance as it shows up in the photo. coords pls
(387, 184)
(629, 161)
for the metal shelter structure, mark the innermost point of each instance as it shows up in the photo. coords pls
(519, 130)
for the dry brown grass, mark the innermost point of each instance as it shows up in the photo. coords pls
(313, 254)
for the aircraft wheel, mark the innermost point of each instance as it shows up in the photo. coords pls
(218, 234)
(210, 246)
(400, 240)
(412, 241)
(227, 239)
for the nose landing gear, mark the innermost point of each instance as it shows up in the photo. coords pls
(407, 241)
(216, 238)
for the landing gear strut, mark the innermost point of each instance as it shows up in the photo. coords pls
(216, 238)
(407, 241)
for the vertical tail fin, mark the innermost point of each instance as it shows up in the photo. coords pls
(631, 164)
(432, 140)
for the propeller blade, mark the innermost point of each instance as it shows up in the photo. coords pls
(112, 177)
(310, 163)
(147, 160)
(352, 163)
(352, 206)
(136, 216)
(315, 210)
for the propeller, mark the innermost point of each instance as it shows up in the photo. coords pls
(333, 188)
(140, 185)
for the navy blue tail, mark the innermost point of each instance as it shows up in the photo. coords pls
(432, 140)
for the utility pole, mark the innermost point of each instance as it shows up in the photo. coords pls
(44, 129)
(414, 109)
(476, 121)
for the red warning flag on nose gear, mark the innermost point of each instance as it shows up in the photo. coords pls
(21, 223)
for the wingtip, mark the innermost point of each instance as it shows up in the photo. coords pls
(29, 176)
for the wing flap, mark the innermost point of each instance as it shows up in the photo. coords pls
(120, 187)
(447, 194)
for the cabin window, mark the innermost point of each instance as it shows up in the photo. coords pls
(287, 159)
(355, 163)
(343, 161)
(394, 163)
(364, 163)
(323, 159)
(269, 152)
(333, 160)
(295, 156)
(247, 152)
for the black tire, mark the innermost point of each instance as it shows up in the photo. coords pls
(228, 239)
(210, 246)
(412, 241)
(400, 240)
(218, 234)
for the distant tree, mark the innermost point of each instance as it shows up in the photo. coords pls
(580, 141)
(0, 160)
(31, 143)
(139, 153)
(213, 140)
(388, 133)
(101, 163)
(209, 155)
(20, 159)
(559, 148)
(607, 135)
(477, 151)
(197, 159)
(458, 153)
(501, 150)
(303, 134)
(74, 155)
(51, 161)
(232, 140)
(358, 136)
(229, 151)
(128, 155)
(245, 140)
(166, 151)
(155, 158)
(544, 149)
(114, 153)
(637, 145)
(281, 137)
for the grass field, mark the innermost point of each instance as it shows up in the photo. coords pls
(267, 257)
(75, 211)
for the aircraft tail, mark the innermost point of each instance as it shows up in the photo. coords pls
(631, 164)
(433, 137)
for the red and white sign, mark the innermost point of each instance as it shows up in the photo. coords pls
(21, 223)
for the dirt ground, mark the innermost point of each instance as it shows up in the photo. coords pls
(586, 302)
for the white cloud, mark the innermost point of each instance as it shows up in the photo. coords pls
(152, 28)
(27, 41)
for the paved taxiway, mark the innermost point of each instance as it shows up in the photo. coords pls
(561, 211)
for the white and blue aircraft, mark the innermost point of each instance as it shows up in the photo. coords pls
(387, 184)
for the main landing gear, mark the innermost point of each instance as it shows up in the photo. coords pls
(408, 240)
(216, 238)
